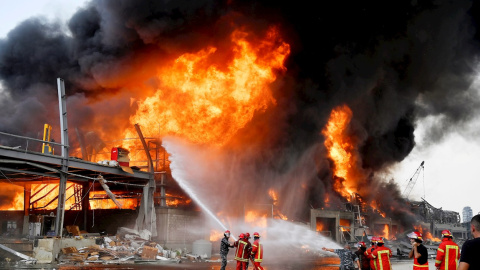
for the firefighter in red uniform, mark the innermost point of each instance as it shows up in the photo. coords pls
(369, 251)
(257, 252)
(382, 255)
(419, 252)
(363, 261)
(241, 253)
(448, 253)
(249, 251)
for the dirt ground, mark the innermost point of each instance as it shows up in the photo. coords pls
(329, 263)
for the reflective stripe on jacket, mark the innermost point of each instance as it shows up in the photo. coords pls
(382, 258)
(368, 253)
(257, 251)
(241, 254)
(418, 266)
(448, 254)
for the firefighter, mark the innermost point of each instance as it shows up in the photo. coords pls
(382, 255)
(364, 262)
(448, 253)
(419, 252)
(224, 248)
(249, 251)
(241, 252)
(257, 252)
(369, 251)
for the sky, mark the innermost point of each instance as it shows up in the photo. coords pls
(13, 12)
(450, 176)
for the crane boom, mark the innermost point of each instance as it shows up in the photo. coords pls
(412, 181)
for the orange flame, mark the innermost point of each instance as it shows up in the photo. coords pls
(215, 235)
(100, 200)
(276, 213)
(386, 232)
(375, 207)
(43, 194)
(273, 195)
(426, 235)
(341, 150)
(256, 219)
(176, 201)
(345, 224)
(319, 226)
(206, 103)
(16, 204)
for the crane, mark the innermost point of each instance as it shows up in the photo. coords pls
(412, 181)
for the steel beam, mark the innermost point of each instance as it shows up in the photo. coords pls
(73, 163)
(62, 103)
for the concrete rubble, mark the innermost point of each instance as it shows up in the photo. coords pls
(126, 247)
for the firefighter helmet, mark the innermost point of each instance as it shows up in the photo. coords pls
(380, 240)
(256, 234)
(247, 235)
(227, 233)
(362, 244)
(415, 235)
(241, 236)
(374, 239)
(446, 233)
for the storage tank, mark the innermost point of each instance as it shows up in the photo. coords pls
(202, 248)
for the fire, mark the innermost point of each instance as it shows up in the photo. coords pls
(426, 235)
(326, 202)
(176, 201)
(256, 219)
(45, 196)
(100, 200)
(273, 195)
(344, 225)
(207, 100)
(16, 204)
(215, 235)
(375, 207)
(319, 227)
(386, 232)
(341, 150)
(276, 213)
(429, 236)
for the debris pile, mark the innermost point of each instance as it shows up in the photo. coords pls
(126, 246)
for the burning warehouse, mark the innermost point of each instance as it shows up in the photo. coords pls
(254, 115)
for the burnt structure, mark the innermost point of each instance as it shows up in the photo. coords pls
(356, 222)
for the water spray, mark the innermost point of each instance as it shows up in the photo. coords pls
(178, 175)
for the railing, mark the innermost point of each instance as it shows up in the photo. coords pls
(27, 145)
(137, 158)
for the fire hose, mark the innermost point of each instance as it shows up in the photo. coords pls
(253, 263)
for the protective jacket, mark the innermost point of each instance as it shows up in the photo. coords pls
(381, 256)
(364, 260)
(368, 254)
(448, 254)
(257, 251)
(242, 252)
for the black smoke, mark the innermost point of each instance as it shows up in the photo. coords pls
(391, 62)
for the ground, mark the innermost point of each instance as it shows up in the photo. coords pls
(327, 263)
